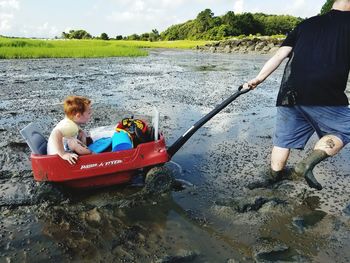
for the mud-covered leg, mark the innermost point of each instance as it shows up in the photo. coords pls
(328, 145)
(279, 157)
(305, 167)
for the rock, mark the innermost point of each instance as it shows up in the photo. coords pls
(273, 50)
(227, 49)
(266, 252)
(266, 48)
(235, 43)
(122, 253)
(93, 216)
(220, 49)
(261, 45)
(182, 256)
(243, 49)
(222, 44)
(270, 205)
(299, 224)
(347, 210)
(244, 204)
(235, 49)
(251, 48)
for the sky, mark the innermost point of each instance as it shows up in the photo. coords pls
(47, 19)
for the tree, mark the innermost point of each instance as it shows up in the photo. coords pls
(154, 35)
(248, 25)
(276, 24)
(76, 34)
(104, 36)
(204, 20)
(119, 37)
(207, 26)
(327, 6)
(65, 35)
(144, 37)
(133, 37)
(230, 20)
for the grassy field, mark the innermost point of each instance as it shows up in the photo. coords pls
(12, 48)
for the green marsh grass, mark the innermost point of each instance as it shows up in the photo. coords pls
(12, 48)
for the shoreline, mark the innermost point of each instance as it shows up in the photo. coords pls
(256, 45)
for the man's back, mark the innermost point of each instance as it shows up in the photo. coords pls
(320, 62)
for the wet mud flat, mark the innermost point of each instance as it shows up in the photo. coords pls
(216, 216)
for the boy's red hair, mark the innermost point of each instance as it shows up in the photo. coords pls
(75, 104)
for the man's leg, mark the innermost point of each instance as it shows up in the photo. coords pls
(328, 145)
(279, 157)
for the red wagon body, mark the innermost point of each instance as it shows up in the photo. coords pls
(98, 170)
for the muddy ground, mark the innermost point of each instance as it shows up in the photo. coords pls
(216, 216)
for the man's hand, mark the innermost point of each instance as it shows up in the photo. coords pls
(70, 157)
(252, 84)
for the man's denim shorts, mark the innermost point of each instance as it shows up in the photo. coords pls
(295, 125)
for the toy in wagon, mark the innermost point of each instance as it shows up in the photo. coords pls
(132, 147)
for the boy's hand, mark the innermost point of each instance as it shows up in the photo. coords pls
(70, 157)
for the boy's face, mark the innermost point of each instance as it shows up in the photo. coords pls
(85, 117)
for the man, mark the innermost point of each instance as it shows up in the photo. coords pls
(312, 94)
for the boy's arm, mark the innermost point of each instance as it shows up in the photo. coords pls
(79, 147)
(85, 137)
(58, 145)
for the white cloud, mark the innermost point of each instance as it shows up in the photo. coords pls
(125, 17)
(140, 18)
(138, 6)
(304, 9)
(8, 8)
(238, 6)
(46, 29)
(299, 3)
(41, 31)
(5, 22)
(9, 4)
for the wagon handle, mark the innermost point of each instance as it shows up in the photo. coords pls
(183, 139)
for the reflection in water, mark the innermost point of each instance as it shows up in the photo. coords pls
(157, 226)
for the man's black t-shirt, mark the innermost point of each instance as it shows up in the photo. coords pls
(318, 67)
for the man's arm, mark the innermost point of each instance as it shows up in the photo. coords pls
(270, 66)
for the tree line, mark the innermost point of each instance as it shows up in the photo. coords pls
(83, 34)
(206, 26)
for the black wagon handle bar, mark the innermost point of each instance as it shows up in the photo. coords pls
(183, 139)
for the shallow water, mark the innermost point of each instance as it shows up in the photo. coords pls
(215, 217)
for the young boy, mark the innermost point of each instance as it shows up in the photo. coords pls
(67, 139)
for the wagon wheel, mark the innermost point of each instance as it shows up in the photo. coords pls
(158, 180)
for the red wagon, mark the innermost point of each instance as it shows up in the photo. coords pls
(107, 168)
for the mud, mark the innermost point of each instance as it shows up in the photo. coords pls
(214, 216)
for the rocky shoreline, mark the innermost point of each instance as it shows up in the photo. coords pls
(261, 45)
